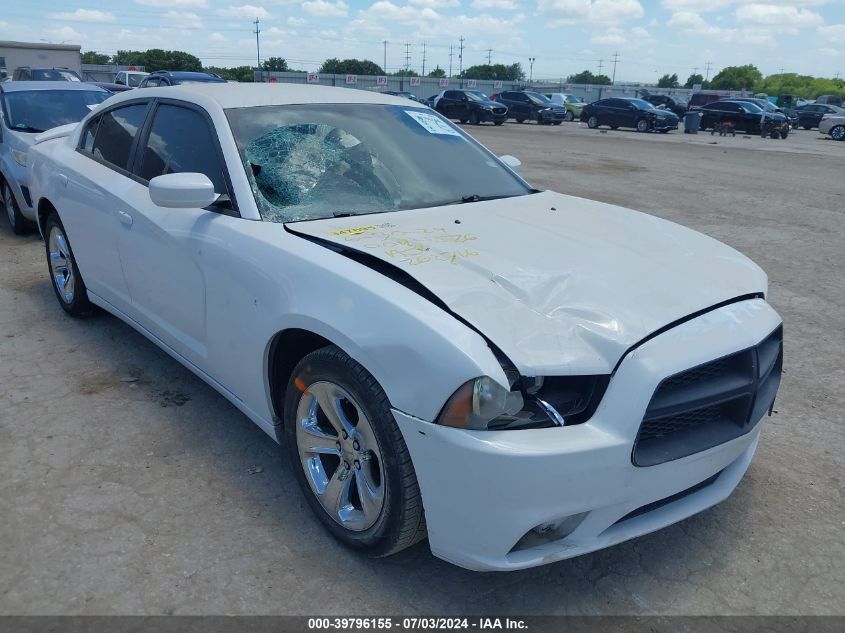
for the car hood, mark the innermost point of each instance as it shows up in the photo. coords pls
(562, 285)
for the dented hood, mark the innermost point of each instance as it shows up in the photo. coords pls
(562, 285)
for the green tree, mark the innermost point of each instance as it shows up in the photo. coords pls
(335, 66)
(437, 72)
(406, 73)
(158, 59)
(804, 86)
(694, 80)
(513, 72)
(668, 81)
(275, 64)
(92, 57)
(737, 78)
(586, 77)
(239, 73)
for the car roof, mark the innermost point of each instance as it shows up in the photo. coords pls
(245, 95)
(184, 74)
(26, 86)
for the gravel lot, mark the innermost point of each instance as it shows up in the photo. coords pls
(128, 486)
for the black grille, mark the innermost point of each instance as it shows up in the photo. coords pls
(654, 505)
(710, 404)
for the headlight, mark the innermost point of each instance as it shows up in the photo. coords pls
(19, 156)
(483, 404)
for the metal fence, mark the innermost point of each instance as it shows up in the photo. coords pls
(104, 72)
(423, 87)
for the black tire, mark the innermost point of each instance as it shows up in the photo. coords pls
(569, 116)
(473, 118)
(837, 132)
(462, 120)
(643, 125)
(19, 224)
(77, 305)
(401, 521)
(807, 127)
(614, 127)
(664, 131)
(593, 122)
(498, 122)
(518, 120)
(784, 134)
(556, 122)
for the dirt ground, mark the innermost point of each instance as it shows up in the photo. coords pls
(127, 486)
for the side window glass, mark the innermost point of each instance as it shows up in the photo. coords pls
(116, 132)
(181, 141)
(90, 133)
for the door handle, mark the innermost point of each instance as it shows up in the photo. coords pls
(125, 218)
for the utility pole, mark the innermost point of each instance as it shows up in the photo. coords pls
(384, 68)
(601, 65)
(615, 60)
(451, 53)
(531, 61)
(489, 56)
(461, 58)
(707, 67)
(257, 46)
(407, 57)
(423, 66)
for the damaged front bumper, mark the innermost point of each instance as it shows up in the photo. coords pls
(494, 499)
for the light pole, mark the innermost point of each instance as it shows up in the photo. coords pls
(531, 71)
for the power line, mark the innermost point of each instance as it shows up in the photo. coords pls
(384, 68)
(708, 66)
(423, 60)
(451, 53)
(601, 64)
(461, 57)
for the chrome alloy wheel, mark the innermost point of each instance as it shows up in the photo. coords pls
(340, 455)
(61, 264)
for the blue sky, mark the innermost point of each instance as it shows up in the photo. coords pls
(564, 36)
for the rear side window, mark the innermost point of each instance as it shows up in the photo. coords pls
(116, 133)
(181, 141)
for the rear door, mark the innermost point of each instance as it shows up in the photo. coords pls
(164, 250)
(98, 176)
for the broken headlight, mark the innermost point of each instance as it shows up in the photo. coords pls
(540, 402)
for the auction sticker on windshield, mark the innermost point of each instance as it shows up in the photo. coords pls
(432, 123)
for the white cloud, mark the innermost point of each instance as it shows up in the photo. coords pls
(830, 52)
(687, 20)
(218, 37)
(183, 20)
(578, 11)
(615, 36)
(63, 34)
(245, 11)
(326, 9)
(834, 33)
(175, 4)
(501, 5)
(83, 15)
(292, 21)
(386, 11)
(776, 15)
(435, 4)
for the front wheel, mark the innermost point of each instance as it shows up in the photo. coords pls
(497, 122)
(837, 133)
(593, 122)
(67, 281)
(643, 126)
(349, 456)
(557, 122)
(19, 224)
(568, 116)
(520, 120)
(807, 127)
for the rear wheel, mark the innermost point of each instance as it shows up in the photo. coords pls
(643, 125)
(593, 122)
(19, 224)
(807, 127)
(462, 120)
(349, 456)
(557, 122)
(837, 133)
(67, 282)
(473, 118)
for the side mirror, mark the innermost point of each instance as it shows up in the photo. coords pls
(182, 191)
(511, 161)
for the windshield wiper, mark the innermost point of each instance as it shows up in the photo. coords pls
(27, 128)
(476, 198)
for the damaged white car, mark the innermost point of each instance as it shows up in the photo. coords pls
(521, 376)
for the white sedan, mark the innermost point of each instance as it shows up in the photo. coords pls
(519, 375)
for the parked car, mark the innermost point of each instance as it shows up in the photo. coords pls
(29, 108)
(403, 94)
(430, 101)
(742, 115)
(810, 115)
(674, 104)
(175, 78)
(833, 125)
(572, 104)
(111, 87)
(464, 343)
(29, 73)
(830, 100)
(130, 78)
(700, 99)
(635, 113)
(768, 106)
(470, 105)
(525, 105)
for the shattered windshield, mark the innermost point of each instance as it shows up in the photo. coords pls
(307, 162)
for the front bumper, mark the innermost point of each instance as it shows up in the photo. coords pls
(667, 124)
(483, 491)
(493, 117)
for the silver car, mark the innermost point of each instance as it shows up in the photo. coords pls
(834, 125)
(28, 108)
